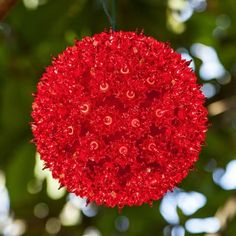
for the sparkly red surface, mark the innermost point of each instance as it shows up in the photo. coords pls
(119, 118)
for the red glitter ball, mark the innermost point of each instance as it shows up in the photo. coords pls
(119, 118)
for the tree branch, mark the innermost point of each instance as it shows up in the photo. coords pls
(5, 6)
(225, 214)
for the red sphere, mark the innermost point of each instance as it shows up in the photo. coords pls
(119, 118)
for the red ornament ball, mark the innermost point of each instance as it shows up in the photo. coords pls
(119, 118)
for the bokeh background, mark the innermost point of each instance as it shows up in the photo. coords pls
(35, 30)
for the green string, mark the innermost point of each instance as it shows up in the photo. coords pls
(111, 18)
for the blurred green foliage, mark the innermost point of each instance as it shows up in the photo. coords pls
(28, 40)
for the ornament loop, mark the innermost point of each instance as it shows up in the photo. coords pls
(84, 108)
(107, 120)
(95, 43)
(150, 81)
(92, 71)
(135, 50)
(104, 87)
(123, 150)
(130, 94)
(94, 145)
(70, 130)
(152, 147)
(159, 112)
(135, 123)
(124, 71)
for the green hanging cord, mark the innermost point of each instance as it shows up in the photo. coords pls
(111, 18)
(114, 15)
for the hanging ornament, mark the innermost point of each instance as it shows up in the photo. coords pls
(118, 118)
